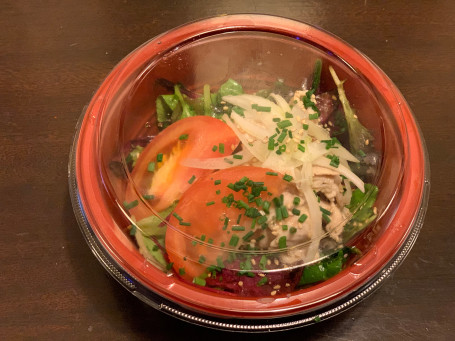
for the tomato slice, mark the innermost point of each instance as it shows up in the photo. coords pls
(203, 213)
(158, 176)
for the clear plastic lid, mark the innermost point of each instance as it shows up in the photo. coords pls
(243, 160)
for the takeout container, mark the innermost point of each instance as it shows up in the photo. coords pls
(255, 50)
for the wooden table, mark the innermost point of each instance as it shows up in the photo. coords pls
(54, 54)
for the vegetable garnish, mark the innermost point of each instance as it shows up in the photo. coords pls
(287, 177)
(130, 205)
(151, 167)
(287, 152)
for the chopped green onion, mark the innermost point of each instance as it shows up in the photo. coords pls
(151, 167)
(130, 205)
(313, 116)
(282, 242)
(284, 212)
(214, 148)
(361, 153)
(331, 143)
(217, 191)
(133, 230)
(185, 223)
(221, 148)
(260, 108)
(262, 219)
(226, 221)
(210, 203)
(295, 211)
(296, 201)
(292, 230)
(183, 137)
(282, 136)
(159, 157)
(238, 218)
(302, 218)
(326, 218)
(253, 223)
(181, 271)
(169, 266)
(287, 177)
(334, 160)
(284, 124)
(191, 180)
(305, 126)
(210, 241)
(271, 173)
(301, 148)
(228, 161)
(323, 210)
(234, 240)
(276, 119)
(248, 236)
(289, 115)
(179, 218)
(148, 196)
(263, 262)
(237, 156)
(258, 239)
(266, 206)
(238, 228)
(278, 214)
(271, 144)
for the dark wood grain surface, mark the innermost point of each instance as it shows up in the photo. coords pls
(54, 54)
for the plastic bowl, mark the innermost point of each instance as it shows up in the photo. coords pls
(255, 50)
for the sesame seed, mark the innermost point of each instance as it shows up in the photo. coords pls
(261, 275)
(209, 274)
(276, 261)
(367, 142)
(273, 293)
(334, 97)
(269, 262)
(223, 102)
(225, 107)
(287, 285)
(375, 210)
(330, 123)
(277, 287)
(355, 116)
(240, 284)
(232, 147)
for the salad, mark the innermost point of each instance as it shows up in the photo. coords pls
(255, 194)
